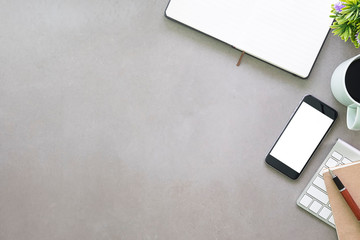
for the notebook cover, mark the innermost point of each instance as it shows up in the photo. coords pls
(347, 226)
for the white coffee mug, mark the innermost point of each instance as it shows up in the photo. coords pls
(341, 94)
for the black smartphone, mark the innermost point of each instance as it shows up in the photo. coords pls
(302, 135)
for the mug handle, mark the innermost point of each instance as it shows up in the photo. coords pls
(353, 117)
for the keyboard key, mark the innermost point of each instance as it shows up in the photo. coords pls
(325, 213)
(336, 155)
(316, 193)
(331, 219)
(315, 206)
(331, 163)
(320, 183)
(306, 200)
(324, 170)
(346, 161)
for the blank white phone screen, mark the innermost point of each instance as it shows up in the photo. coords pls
(300, 138)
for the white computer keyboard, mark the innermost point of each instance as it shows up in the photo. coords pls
(314, 198)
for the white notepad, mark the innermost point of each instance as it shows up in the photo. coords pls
(287, 34)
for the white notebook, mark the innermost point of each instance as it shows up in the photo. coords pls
(287, 34)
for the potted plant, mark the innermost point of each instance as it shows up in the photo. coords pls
(346, 14)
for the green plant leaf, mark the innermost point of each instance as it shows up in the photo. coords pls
(346, 23)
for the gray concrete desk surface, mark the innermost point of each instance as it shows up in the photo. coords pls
(117, 123)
